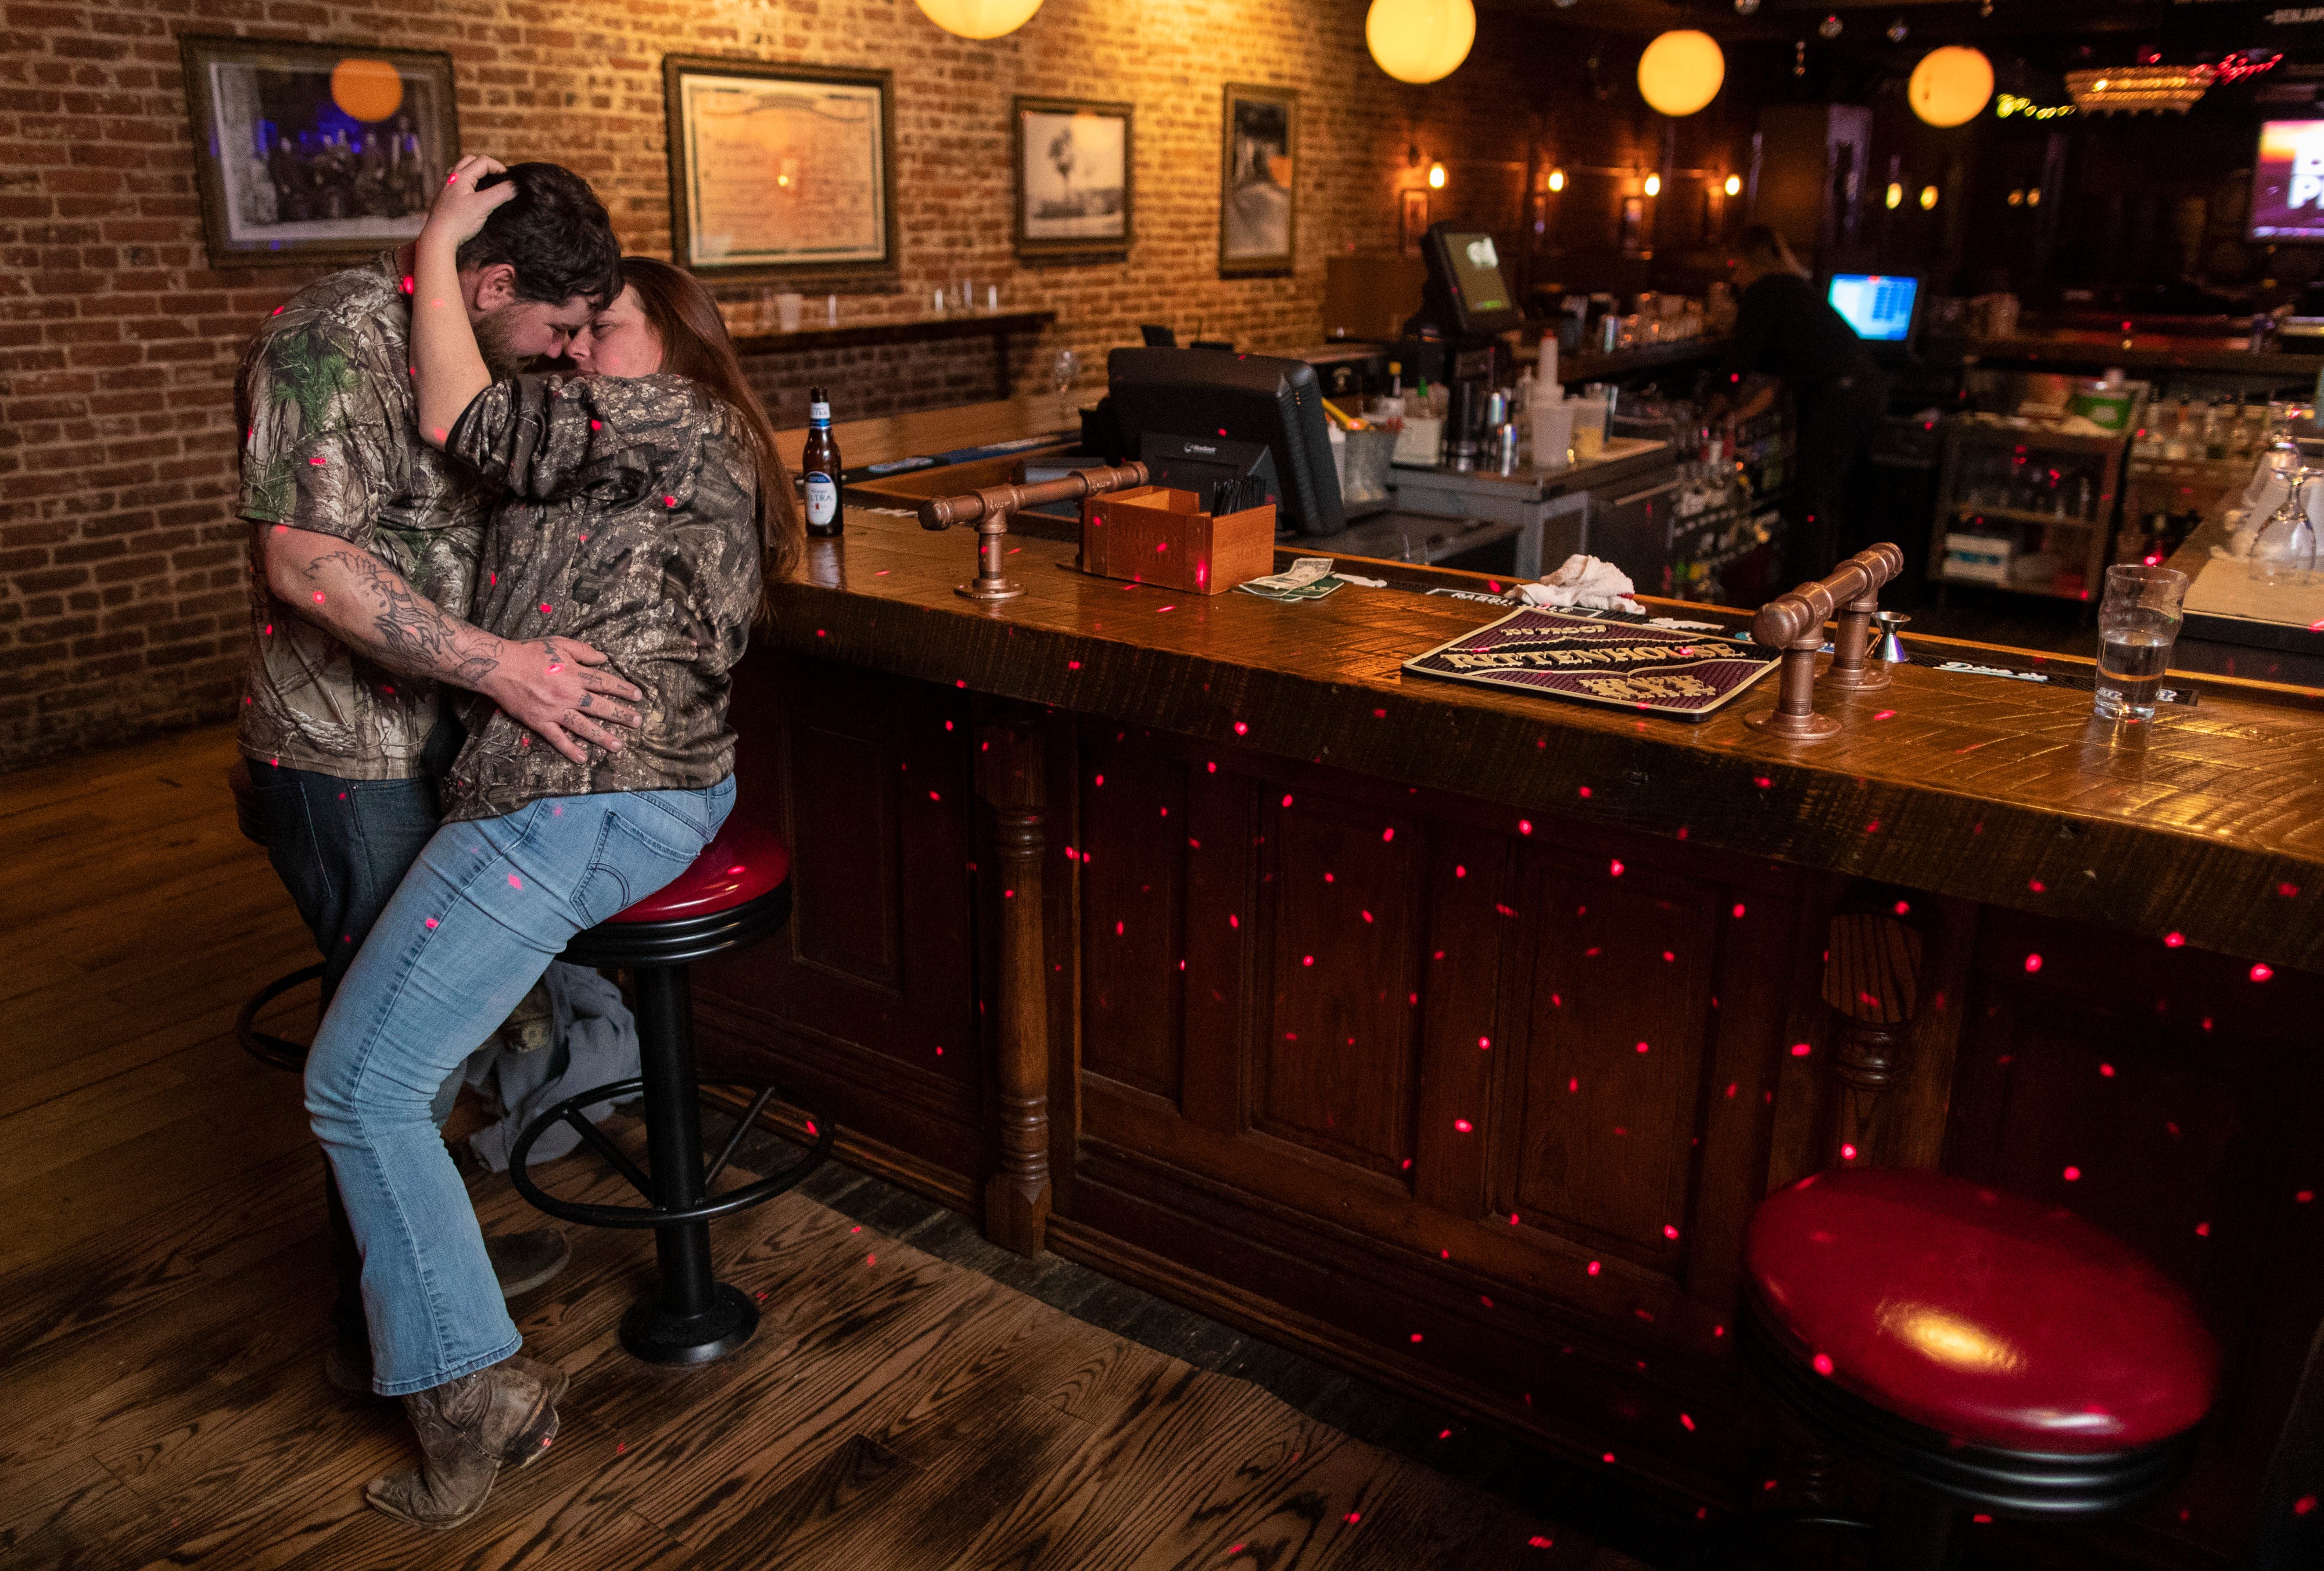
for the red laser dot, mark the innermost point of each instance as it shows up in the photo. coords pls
(2033, 963)
(318, 596)
(2303, 1505)
(1463, 1125)
(1823, 1364)
(546, 608)
(1240, 729)
(2173, 940)
(1801, 1049)
(1367, 916)
(1886, 714)
(2304, 1196)
(1903, 907)
(1980, 1517)
(1669, 1231)
(1233, 920)
(2073, 1174)
(1484, 1044)
(1615, 868)
(1525, 825)
(2106, 1070)
(669, 502)
(1739, 910)
(1686, 1421)
(1416, 1337)
(2202, 1230)
(514, 882)
(2288, 891)
(1353, 1517)
(1286, 802)
(1846, 1153)
(1593, 1268)
(432, 921)
(1607, 1458)
(1538, 1542)
(2037, 886)
(2262, 972)
(1387, 834)
(1642, 1047)
(1307, 959)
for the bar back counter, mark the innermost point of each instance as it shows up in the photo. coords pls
(1452, 1036)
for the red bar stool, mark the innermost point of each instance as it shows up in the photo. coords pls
(1981, 1350)
(737, 892)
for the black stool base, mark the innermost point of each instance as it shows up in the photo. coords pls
(657, 1336)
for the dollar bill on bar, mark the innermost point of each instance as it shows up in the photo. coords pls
(1307, 578)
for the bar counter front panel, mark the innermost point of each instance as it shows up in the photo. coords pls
(1473, 1090)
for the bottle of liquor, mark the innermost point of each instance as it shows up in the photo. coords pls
(820, 465)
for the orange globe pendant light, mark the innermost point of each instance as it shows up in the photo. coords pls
(1420, 40)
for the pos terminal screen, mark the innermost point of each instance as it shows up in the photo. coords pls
(1878, 306)
(1477, 269)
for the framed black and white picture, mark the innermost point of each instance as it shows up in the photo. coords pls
(1412, 220)
(1074, 164)
(308, 152)
(1259, 133)
(781, 172)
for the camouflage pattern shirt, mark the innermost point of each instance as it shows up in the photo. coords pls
(630, 524)
(331, 443)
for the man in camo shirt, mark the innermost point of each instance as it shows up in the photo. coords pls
(364, 542)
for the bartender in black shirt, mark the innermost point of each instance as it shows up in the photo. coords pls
(1784, 328)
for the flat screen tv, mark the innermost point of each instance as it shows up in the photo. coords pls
(2288, 181)
(1879, 305)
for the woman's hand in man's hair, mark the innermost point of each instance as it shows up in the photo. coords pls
(464, 204)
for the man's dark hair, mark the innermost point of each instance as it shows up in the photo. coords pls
(555, 233)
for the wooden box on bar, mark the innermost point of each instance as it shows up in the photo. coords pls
(1155, 535)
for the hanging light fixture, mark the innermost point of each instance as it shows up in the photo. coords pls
(1928, 199)
(2128, 90)
(979, 19)
(1681, 71)
(1420, 40)
(1895, 194)
(1950, 86)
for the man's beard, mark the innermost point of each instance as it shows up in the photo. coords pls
(493, 334)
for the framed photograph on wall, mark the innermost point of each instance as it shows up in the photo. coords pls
(308, 152)
(1259, 137)
(781, 172)
(1413, 221)
(1074, 164)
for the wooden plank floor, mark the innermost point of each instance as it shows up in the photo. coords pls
(163, 1294)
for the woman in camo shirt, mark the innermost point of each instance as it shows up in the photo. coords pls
(647, 511)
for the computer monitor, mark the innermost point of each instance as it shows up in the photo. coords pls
(2287, 201)
(1465, 291)
(1880, 306)
(1202, 397)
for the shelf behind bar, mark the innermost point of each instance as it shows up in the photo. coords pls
(916, 330)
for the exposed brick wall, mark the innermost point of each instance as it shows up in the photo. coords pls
(120, 560)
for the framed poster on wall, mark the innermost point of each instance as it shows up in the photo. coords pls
(1412, 220)
(781, 172)
(308, 152)
(1259, 133)
(1074, 166)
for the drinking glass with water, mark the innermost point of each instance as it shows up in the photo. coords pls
(2138, 621)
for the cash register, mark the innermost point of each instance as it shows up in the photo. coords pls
(1465, 305)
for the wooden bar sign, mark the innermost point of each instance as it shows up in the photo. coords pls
(1151, 534)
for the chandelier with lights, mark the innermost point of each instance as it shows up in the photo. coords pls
(2128, 90)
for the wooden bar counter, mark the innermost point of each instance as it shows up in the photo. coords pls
(1451, 1037)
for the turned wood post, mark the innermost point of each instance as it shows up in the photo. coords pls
(1017, 1198)
(1871, 983)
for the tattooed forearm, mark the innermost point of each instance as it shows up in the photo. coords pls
(368, 604)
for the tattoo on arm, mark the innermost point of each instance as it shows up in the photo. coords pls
(397, 626)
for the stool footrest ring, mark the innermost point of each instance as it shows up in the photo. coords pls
(263, 1046)
(595, 1215)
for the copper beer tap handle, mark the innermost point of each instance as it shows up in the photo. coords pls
(1793, 622)
(971, 506)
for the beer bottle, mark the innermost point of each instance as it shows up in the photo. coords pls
(820, 464)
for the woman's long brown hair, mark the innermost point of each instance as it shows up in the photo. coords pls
(695, 345)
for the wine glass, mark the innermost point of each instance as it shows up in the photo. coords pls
(1063, 370)
(2285, 550)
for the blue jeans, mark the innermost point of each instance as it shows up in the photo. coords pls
(481, 913)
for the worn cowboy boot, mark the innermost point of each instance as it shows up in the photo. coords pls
(468, 1429)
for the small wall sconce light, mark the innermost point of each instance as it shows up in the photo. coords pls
(1653, 185)
(1734, 185)
(1896, 197)
(1557, 180)
(1437, 177)
(1928, 199)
